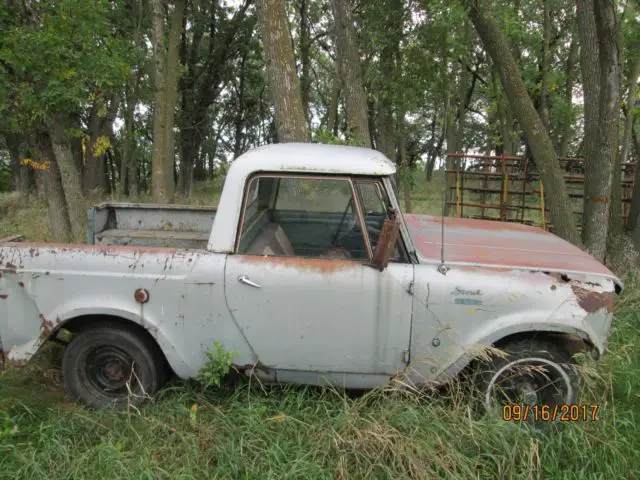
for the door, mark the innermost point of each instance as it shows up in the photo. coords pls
(303, 295)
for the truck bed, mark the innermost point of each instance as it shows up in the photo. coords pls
(150, 225)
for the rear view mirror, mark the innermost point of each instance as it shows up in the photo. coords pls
(386, 243)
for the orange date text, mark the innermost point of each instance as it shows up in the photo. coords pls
(522, 412)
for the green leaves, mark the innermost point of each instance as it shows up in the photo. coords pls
(55, 57)
(219, 363)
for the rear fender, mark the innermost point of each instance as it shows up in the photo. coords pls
(54, 322)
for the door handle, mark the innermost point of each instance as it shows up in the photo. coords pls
(244, 279)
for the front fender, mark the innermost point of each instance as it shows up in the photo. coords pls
(584, 326)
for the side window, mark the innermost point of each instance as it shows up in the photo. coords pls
(252, 199)
(375, 205)
(373, 201)
(308, 217)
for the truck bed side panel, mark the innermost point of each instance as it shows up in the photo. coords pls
(149, 225)
(186, 312)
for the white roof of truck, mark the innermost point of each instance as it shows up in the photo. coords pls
(313, 158)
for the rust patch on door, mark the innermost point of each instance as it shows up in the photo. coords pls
(322, 265)
(591, 301)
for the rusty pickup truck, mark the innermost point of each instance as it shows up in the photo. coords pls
(309, 273)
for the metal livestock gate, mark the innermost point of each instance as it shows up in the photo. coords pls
(509, 188)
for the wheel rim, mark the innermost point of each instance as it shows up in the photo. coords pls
(530, 381)
(108, 369)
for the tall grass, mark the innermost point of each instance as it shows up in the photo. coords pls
(243, 431)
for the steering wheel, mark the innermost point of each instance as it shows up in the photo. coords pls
(342, 220)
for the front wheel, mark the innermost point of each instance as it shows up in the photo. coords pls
(534, 373)
(112, 365)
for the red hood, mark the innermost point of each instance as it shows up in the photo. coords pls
(501, 244)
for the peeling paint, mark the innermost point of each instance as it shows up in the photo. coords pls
(3, 296)
(592, 301)
(10, 268)
(46, 327)
(560, 277)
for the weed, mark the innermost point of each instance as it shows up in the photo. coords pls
(217, 366)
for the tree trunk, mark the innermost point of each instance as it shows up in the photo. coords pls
(404, 161)
(71, 179)
(626, 137)
(348, 59)
(590, 68)
(20, 173)
(128, 150)
(173, 75)
(389, 69)
(632, 96)
(537, 138)
(332, 111)
(241, 108)
(596, 223)
(502, 117)
(159, 178)
(190, 144)
(633, 224)
(545, 65)
(565, 133)
(615, 217)
(59, 223)
(78, 153)
(305, 57)
(166, 72)
(291, 125)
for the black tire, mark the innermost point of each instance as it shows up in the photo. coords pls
(532, 372)
(112, 365)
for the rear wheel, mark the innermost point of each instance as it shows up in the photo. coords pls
(112, 365)
(534, 373)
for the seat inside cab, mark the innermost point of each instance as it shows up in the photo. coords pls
(271, 241)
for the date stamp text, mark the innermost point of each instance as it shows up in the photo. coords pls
(522, 412)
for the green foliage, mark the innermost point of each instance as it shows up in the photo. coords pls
(218, 364)
(7, 427)
(321, 135)
(57, 55)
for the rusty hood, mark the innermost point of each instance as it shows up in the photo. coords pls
(500, 244)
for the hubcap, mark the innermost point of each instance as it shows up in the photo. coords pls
(108, 369)
(529, 381)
